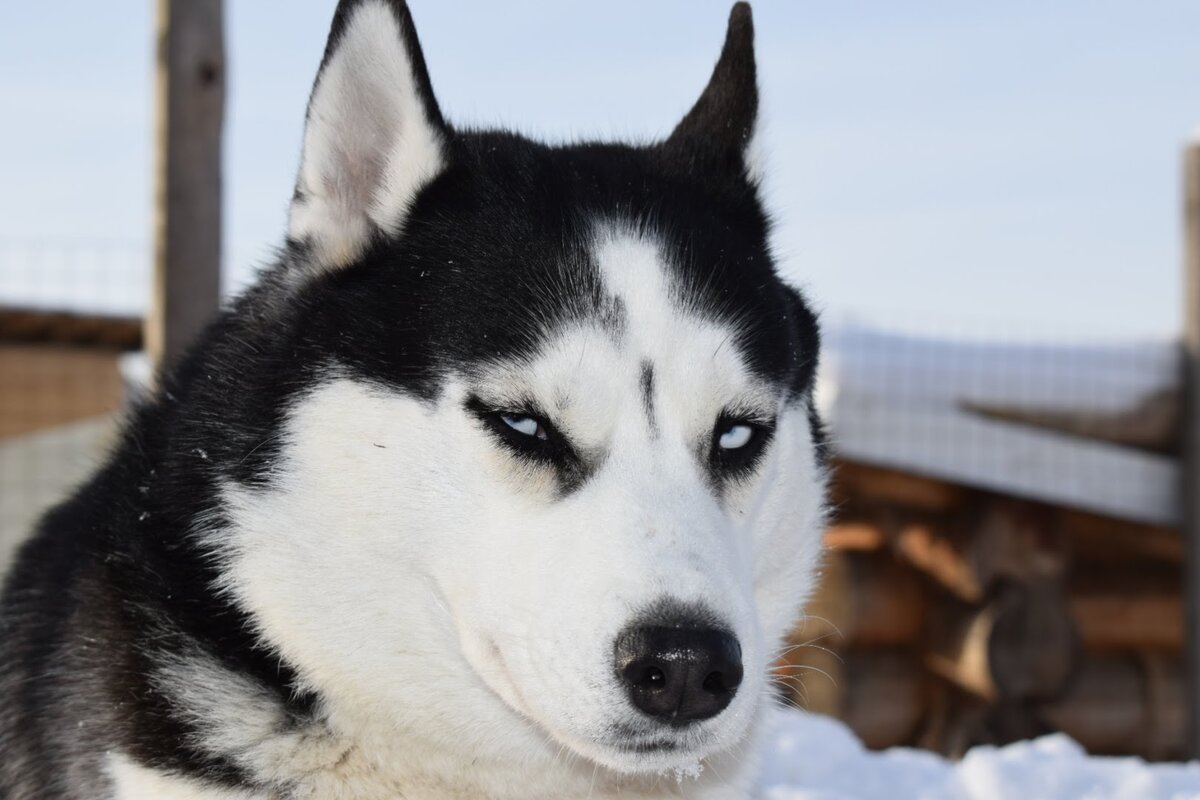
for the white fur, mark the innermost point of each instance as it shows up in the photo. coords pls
(754, 154)
(457, 615)
(134, 782)
(369, 144)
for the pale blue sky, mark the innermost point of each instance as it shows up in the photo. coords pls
(942, 162)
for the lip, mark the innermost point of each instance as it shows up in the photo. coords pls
(646, 756)
(628, 740)
(649, 746)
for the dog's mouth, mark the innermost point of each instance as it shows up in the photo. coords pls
(653, 752)
(627, 746)
(636, 740)
(650, 746)
(632, 740)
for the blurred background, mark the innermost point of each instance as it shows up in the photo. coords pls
(986, 202)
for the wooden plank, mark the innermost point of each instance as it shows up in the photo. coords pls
(44, 386)
(864, 600)
(864, 482)
(1097, 538)
(1113, 620)
(1190, 478)
(37, 326)
(191, 101)
(855, 536)
(886, 696)
(941, 558)
(1123, 705)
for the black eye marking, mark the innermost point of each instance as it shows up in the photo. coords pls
(524, 431)
(738, 442)
(530, 436)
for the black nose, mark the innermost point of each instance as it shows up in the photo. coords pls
(679, 675)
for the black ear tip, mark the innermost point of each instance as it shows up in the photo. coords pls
(739, 36)
(741, 21)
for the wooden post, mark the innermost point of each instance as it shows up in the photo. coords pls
(190, 99)
(1190, 491)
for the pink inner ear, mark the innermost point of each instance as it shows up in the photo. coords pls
(374, 136)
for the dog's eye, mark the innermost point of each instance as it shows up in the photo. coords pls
(735, 437)
(522, 431)
(525, 425)
(737, 443)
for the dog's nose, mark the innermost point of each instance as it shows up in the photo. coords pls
(679, 675)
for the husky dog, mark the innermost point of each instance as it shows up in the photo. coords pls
(504, 482)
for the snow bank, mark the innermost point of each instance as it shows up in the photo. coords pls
(818, 758)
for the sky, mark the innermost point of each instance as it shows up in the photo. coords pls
(942, 165)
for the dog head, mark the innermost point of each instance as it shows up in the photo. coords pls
(556, 471)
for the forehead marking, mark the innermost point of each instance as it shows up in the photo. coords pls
(634, 275)
(647, 384)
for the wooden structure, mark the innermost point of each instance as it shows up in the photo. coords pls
(1007, 557)
(60, 368)
(949, 616)
(191, 101)
(1191, 428)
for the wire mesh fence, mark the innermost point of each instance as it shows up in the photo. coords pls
(68, 311)
(1056, 417)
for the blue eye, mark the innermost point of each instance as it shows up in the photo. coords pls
(738, 442)
(735, 437)
(526, 426)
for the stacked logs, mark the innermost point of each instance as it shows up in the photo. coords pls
(948, 617)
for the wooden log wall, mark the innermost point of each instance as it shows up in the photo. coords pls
(948, 617)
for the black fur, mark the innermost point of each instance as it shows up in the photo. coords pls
(494, 254)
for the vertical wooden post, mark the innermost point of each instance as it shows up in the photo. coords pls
(190, 99)
(1190, 491)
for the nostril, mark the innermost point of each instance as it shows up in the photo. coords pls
(645, 677)
(721, 681)
(715, 683)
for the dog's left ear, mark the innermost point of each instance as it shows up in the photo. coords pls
(373, 138)
(716, 135)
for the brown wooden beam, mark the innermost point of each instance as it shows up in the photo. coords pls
(862, 482)
(190, 98)
(1190, 490)
(1126, 704)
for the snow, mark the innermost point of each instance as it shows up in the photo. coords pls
(818, 758)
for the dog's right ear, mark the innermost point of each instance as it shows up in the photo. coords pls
(373, 137)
